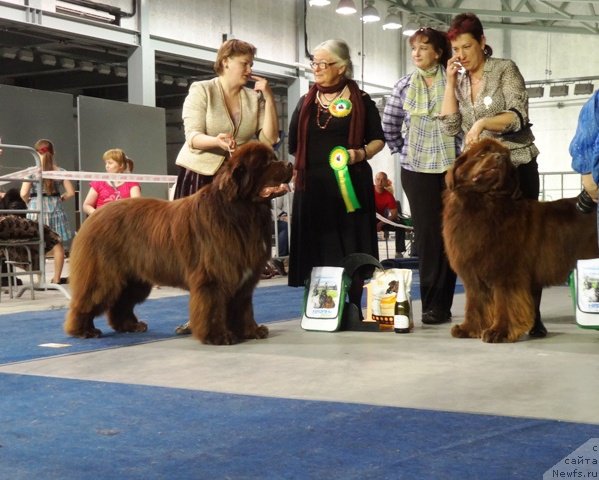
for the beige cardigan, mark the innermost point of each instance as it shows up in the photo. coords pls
(204, 111)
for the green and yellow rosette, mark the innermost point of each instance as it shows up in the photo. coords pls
(340, 107)
(338, 160)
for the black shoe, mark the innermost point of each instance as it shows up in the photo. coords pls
(433, 317)
(280, 266)
(183, 329)
(538, 330)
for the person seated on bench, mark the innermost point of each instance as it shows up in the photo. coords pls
(17, 227)
(388, 207)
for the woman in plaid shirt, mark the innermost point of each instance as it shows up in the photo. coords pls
(425, 153)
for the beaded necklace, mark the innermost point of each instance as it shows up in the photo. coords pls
(321, 107)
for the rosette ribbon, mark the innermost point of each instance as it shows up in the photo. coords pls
(340, 108)
(338, 160)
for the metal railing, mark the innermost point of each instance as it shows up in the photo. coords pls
(556, 185)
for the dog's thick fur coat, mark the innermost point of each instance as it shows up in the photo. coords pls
(503, 246)
(214, 243)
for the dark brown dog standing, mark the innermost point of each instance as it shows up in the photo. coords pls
(214, 243)
(503, 246)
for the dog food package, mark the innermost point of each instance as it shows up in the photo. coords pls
(382, 295)
(585, 292)
(324, 299)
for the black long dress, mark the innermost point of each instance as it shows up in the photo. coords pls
(322, 232)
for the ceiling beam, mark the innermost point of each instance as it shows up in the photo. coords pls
(560, 19)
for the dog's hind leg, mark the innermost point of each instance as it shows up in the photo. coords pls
(120, 314)
(80, 324)
(208, 315)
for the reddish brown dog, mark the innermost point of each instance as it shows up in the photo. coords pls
(504, 246)
(214, 244)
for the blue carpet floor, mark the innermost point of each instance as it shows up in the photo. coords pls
(62, 429)
(68, 429)
(45, 336)
(22, 335)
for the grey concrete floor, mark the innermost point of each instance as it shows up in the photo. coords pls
(554, 378)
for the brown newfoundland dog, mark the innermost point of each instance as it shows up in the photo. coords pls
(504, 246)
(214, 243)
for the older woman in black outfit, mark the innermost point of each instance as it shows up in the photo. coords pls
(335, 116)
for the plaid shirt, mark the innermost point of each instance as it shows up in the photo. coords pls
(396, 125)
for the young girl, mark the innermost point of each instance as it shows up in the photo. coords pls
(101, 193)
(54, 215)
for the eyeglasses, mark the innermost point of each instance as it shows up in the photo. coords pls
(321, 65)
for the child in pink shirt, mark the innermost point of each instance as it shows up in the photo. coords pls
(101, 193)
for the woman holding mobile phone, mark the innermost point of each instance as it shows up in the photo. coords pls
(489, 99)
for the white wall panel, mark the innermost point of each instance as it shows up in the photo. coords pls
(268, 24)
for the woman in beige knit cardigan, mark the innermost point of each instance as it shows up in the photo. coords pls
(221, 114)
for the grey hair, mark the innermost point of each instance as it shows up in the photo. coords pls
(340, 51)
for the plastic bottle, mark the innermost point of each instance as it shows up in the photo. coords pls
(401, 318)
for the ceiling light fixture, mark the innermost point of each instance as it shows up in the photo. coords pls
(181, 82)
(346, 7)
(49, 60)
(103, 69)
(410, 29)
(166, 79)
(25, 55)
(120, 71)
(8, 52)
(319, 3)
(86, 66)
(392, 20)
(370, 14)
(67, 63)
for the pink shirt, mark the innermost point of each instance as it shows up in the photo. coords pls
(108, 193)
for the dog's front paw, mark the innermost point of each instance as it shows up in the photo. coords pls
(457, 331)
(221, 338)
(133, 327)
(260, 332)
(492, 335)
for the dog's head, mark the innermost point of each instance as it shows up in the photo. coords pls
(485, 167)
(252, 173)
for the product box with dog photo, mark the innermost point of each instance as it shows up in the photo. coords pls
(585, 292)
(324, 299)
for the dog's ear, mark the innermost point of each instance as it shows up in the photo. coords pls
(233, 182)
(449, 178)
(242, 178)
